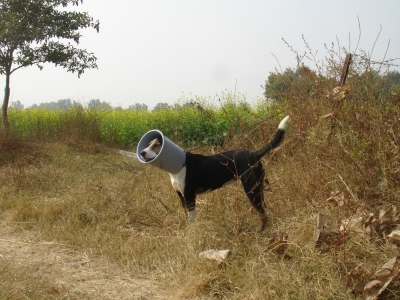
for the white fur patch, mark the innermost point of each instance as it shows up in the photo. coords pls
(178, 180)
(150, 154)
(151, 151)
(282, 124)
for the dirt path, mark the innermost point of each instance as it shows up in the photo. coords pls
(73, 274)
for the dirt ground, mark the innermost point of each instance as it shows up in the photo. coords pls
(73, 274)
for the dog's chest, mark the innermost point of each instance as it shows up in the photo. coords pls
(178, 180)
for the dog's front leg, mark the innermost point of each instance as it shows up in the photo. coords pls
(189, 205)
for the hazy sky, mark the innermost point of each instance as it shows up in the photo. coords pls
(159, 51)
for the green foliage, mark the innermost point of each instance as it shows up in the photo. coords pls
(51, 125)
(53, 105)
(368, 84)
(278, 85)
(138, 106)
(31, 33)
(99, 105)
(17, 105)
(202, 124)
(160, 106)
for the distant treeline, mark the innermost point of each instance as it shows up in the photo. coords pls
(289, 83)
(278, 87)
(65, 104)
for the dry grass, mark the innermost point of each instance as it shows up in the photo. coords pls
(93, 199)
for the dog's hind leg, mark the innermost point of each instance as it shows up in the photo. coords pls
(189, 205)
(254, 187)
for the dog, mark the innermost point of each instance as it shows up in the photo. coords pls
(202, 174)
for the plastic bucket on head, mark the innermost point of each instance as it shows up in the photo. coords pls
(171, 157)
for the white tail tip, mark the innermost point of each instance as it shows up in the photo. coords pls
(282, 124)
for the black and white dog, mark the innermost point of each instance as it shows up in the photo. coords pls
(204, 174)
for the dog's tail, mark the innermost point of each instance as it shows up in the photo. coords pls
(278, 138)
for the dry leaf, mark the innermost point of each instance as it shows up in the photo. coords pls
(363, 226)
(385, 216)
(371, 289)
(322, 234)
(383, 277)
(357, 272)
(278, 244)
(388, 218)
(357, 278)
(395, 215)
(325, 236)
(278, 235)
(336, 199)
(389, 269)
(370, 225)
(374, 288)
(394, 236)
(322, 220)
(382, 274)
(353, 224)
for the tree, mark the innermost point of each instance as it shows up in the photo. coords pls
(62, 104)
(391, 81)
(279, 85)
(33, 32)
(160, 106)
(138, 107)
(17, 105)
(97, 104)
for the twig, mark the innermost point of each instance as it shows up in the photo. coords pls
(375, 41)
(359, 35)
(387, 48)
(277, 61)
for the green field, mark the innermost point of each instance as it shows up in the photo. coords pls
(190, 125)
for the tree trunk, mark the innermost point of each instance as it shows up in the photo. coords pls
(4, 109)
